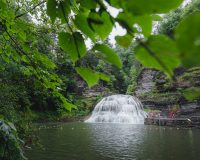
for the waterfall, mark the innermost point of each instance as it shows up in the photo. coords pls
(118, 109)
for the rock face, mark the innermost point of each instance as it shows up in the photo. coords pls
(146, 81)
(156, 91)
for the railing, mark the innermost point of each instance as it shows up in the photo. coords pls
(191, 121)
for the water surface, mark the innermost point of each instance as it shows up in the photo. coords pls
(86, 141)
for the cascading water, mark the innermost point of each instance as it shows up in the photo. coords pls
(118, 109)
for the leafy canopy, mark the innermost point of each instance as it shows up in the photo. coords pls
(76, 21)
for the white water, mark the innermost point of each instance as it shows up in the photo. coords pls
(118, 109)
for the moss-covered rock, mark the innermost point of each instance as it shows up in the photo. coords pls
(157, 91)
(160, 100)
(190, 78)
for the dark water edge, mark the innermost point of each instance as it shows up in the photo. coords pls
(84, 141)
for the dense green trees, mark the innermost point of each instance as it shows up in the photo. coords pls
(66, 17)
(171, 20)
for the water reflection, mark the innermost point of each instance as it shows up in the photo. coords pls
(81, 141)
(116, 140)
(169, 144)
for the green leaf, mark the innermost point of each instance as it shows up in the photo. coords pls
(25, 58)
(51, 9)
(66, 104)
(60, 10)
(63, 10)
(164, 54)
(74, 6)
(127, 21)
(144, 7)
(82, 24)
(124, 41)
(145, 22)
(43, 59)
(69, 106)
(90, 76)
(27, 70)
(89, 4)
(12, 126)
(187, 36)
(73, 44)
(6, 58)
(156, 17)
(104, 77)
(100, 24)
(3, 6)
(192, 93)
(109, 55)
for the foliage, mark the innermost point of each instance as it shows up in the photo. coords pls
(19, 45)
(126, 79)
(98, 23)
(73, 45)
(161, 53)
(87, 73)
(171, 20)
(109, 55)
(134, 73)
(10, 146)
(118, 79)
(43, 48)
(192, 93)
(188, 44)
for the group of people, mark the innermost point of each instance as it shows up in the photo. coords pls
(164, 114)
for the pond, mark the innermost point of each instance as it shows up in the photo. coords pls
(100, 141)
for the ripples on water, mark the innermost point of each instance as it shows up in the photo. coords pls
(82, 141)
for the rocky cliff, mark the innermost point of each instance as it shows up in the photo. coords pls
(156, 91)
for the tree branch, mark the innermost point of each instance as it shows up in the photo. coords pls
(22, 14)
